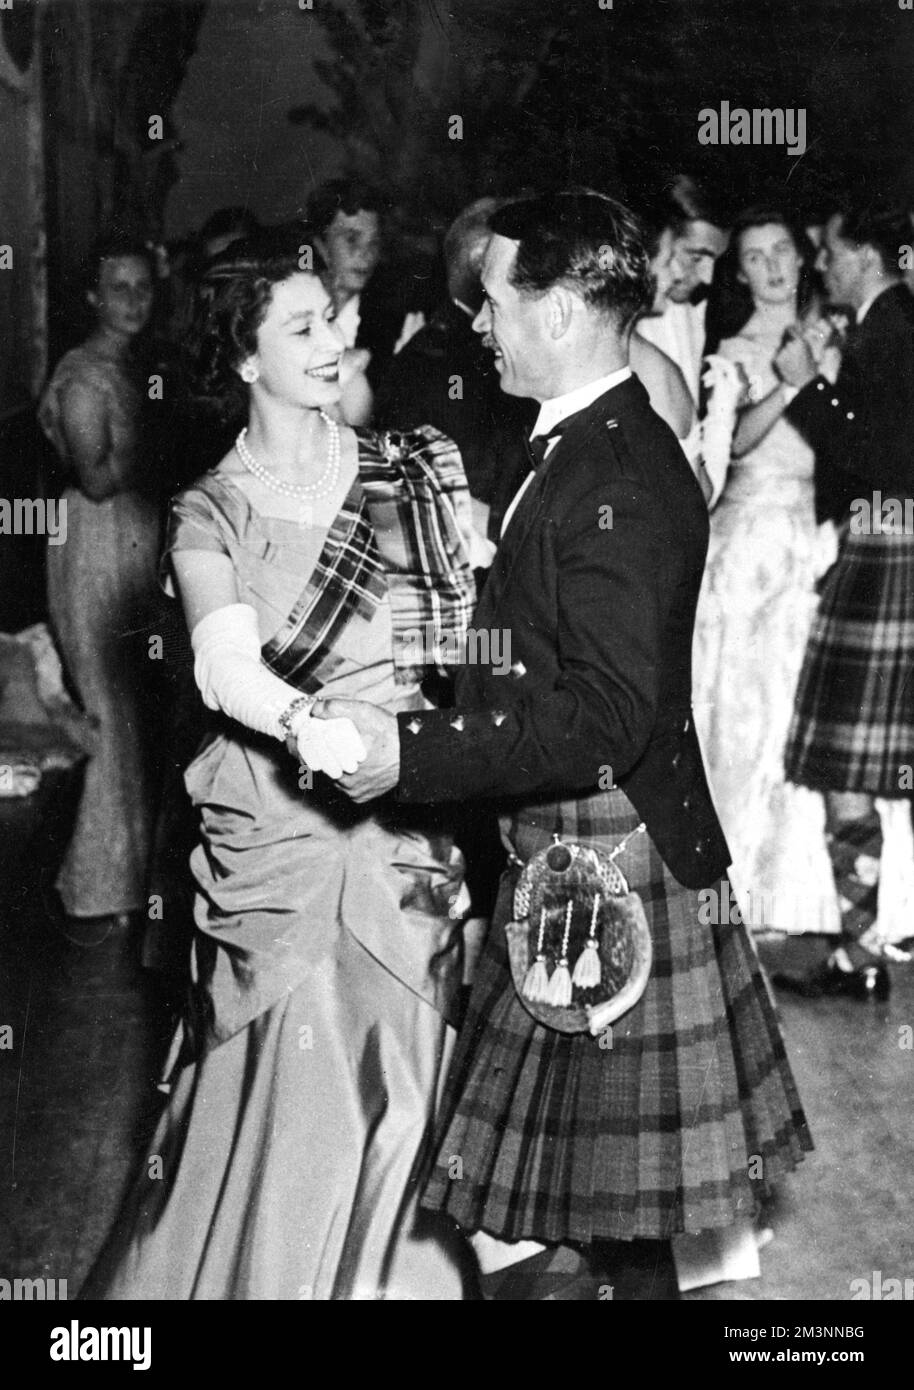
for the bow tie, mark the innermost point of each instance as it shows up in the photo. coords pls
(537, 446)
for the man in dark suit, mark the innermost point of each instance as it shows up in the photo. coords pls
(689, 234)
(445, 377)
(567, 1140)
(853, 730)
(374, 308)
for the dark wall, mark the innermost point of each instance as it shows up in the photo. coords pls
(108, 66)
(22, 588)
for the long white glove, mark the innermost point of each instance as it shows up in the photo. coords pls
(723, 379)
(232, 678)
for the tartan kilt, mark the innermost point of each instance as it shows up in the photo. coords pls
(853, 722)
(562, 1139)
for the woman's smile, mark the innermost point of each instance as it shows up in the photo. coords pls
(328, 371)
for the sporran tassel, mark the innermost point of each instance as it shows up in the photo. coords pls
(587, 968)
(559, 992)
(536, 980)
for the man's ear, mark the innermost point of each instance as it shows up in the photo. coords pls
(560, 309)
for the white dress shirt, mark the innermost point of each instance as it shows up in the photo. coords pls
(348, 320)
(560, 408)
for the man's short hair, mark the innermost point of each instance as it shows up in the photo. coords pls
(584, 240)
(694, 204)
(876, 223)
(674, 204)
(237, 219)
(347, 196)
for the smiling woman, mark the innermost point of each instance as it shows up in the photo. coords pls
(327, 947)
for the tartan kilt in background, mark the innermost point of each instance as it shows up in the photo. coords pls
(853, 723)
(562, 1140)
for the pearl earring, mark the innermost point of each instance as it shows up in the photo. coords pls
(249, 374)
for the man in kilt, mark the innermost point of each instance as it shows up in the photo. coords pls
(852, 735)
(550, 1137)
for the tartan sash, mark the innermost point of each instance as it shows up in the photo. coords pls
(396, 534)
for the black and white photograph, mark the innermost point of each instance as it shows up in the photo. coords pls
(457, 662)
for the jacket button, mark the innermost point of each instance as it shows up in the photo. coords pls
(457, 723)
(699, 846)
(677, 759)
(518, 669)
(498, 717)
(686, 802)
(414, 725)
(686, 726)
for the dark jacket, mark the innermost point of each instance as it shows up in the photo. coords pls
(595, 583)
(446, 378)
(383, 305)
(862, 427)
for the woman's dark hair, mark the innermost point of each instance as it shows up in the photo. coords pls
(730, 304)
(114, 246)
(231, 301)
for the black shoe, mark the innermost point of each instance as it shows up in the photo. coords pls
(869, 982)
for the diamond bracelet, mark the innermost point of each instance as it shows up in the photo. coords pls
(301, 702)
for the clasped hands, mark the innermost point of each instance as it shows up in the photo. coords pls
(807, 353)
(354, 743)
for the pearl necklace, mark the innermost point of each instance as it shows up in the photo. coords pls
(302, 492)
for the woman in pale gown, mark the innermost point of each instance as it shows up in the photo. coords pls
(765, 556)
(102, 590)
(327, 950)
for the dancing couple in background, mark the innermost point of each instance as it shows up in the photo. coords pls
(777, 742)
